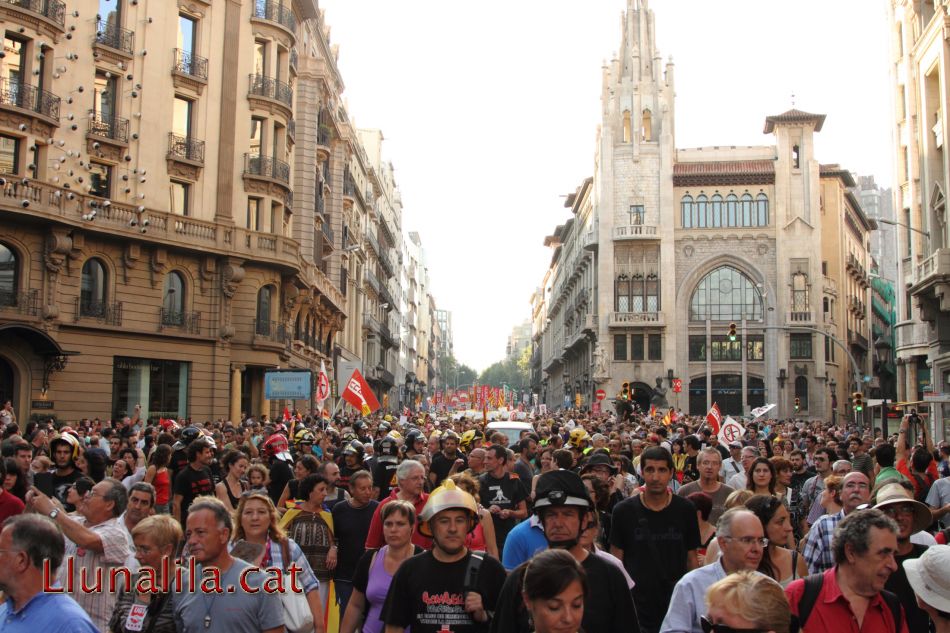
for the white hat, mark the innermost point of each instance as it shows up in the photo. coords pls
(929, 576)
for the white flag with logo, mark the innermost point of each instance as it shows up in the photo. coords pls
(731, 431)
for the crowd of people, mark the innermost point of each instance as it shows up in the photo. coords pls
(435, 523)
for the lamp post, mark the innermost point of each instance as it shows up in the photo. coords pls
(834, 400)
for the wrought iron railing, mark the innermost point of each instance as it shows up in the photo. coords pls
(271, 88)
(101, 311)
(267, 167)
(188, 63)
(324, 136)
(271, 331)
(189, 322)
(112, 35)
(111, 127)
(293, 58)
(276, 12)
(27, 302)
(186, 148)
(52, 9)
(292, 130)
(29, 98)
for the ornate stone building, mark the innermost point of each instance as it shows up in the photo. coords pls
(172, 199)
(667, 247)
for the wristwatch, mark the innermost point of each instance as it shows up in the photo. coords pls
(54, 513)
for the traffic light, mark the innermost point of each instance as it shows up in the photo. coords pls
(858, 401)
(625, 391)
(732, 333)
(798, 403)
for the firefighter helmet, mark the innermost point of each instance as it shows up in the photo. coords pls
(447, 497)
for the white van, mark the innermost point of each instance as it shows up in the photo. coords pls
(511, 428)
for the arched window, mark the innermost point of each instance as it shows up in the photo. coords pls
(92, 293)
(626, 126)
(265, 297)
(725, 294)
(298, 327)
(308, 331)
(173, 302)
(717, 211)
(801, 392)
(746, 210)
(732, 207)
(9, 276)
(686, 211)
(762, 207)
(622, 293)
(702, 211)
(646, 126)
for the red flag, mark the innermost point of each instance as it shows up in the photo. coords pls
(286, 414)
(714, 418)
(358, 394)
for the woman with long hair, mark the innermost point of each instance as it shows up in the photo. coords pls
(783, 479)
(256, 524)
(77, 491)
(779, 562)
(482, 538)
(376, 568)
(230, 489)
(306, 465)
(546, 460)
(15, 481)
(761, 479)
(765, 449)
(679, 459)
(156, 540)
(157, 474)
(554, 588)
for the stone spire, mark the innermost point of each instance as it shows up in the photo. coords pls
(638, 49)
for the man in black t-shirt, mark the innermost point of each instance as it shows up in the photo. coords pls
(193, 481)
(351, 519)
(384, 470)
(656, 535)
(565, 511)
(65, 449)
(448, 588)
(448, 461)
(503, 494)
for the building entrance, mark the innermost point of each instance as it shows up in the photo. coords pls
(6, 383)
(726, 392)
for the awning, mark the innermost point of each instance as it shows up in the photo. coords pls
(41, 342)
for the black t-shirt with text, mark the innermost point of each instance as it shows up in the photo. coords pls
(429, 596)
(441, 465)
(506, 493)
(191, 483)
(384, 477)
(55, 485)
(655, 545)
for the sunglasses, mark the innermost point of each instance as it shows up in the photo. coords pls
(710, 627)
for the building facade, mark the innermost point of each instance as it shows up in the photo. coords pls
(667, 248)
(919, 62)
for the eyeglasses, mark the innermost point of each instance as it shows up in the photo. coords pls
(749, 541)
(92, 493)
(710, 627)
(895, 510)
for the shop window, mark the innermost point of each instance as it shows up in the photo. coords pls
(160, 386)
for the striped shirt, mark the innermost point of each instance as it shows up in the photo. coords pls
(818, 553)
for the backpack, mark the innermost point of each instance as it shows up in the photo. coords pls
(813, 585)
(923, 486)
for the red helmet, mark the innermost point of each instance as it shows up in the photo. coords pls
(276, 446)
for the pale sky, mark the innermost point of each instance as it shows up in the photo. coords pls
(490, 111)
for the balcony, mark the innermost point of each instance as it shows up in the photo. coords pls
(371, 323)
(589, 240)
(386, 334)
(272, 95)
(858, 339)
(30, 99)
(372, 280)
(800, 316)
(266, 175)
(186, 150)
(190, 71)
(102, 312)
(111, 35)
(385, 376)
(386, 262)
(912, 334)
(111, 130)
(324, 142)
(270, 335)
(187, 322)
(635, 319)
(373, 243)
(47, 16)
(635, 232)
(24, 303)
(276, 12)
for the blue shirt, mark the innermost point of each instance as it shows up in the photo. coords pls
(689, 599)
(46, 612)
(524, 541)
(817, 552)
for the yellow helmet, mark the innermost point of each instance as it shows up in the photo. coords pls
(68, 438)
(394, 434)
(467, 438)
(435, 435)
(447, 497)
(578, 437)
(388, 418)
(303, 435)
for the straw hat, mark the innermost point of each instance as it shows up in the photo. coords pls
(894, 494)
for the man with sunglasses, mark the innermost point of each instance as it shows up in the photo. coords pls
(742, 543)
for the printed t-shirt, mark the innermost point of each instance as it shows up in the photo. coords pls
(191, 483)
(506, 493)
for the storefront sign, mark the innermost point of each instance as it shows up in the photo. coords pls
(42, 404)
(288, 384)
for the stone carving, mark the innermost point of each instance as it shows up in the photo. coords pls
(688, 251)
(231, 277)
(659, 394)
(601, 363)
(130, 256)
(762, 249)
(58, 247)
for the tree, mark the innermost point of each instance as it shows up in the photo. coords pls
(505, 372)
(466, 375)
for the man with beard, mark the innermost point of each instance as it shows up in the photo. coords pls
(448, 588)
(523, 467)
(565, 512)
(504, 495)
(818, 552)
(447, 461)
(65, 450)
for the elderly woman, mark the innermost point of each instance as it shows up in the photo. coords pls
(156, 538)
(262, 542)
(746, 601)
(375, 570)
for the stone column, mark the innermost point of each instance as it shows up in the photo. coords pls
(901, 381)
(745, 370)
(234, 408)
(911, 384)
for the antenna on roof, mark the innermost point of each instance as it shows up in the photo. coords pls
(793, 99)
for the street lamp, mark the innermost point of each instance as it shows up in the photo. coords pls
(834, 400)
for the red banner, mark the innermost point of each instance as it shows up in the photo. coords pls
(358, 394)
(714, 418)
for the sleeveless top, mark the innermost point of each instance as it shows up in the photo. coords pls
(163, 486)
(376, 589)
(787, 581)
(234, 500)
